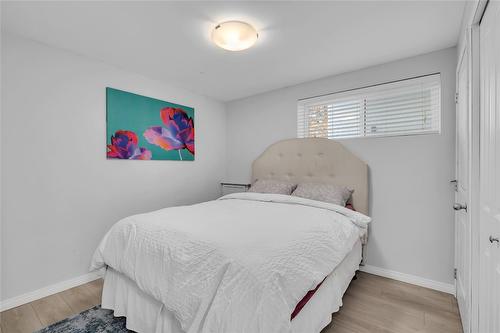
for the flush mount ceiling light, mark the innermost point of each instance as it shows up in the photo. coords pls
(234, 35)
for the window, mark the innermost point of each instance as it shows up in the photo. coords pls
(411, 106)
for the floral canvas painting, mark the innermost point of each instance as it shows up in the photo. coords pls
(144, 128)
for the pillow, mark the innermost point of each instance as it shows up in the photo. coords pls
(272, 186)
(335, 194)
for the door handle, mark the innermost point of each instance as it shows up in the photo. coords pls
(457, 206)
(494, 240)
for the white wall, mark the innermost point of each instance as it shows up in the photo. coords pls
(59, 193)
(411, 198)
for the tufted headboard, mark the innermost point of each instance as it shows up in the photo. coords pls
(315, 160)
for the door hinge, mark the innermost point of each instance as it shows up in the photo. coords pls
(456, 98)
(455, 273)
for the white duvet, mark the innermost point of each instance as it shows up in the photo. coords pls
(237, 264)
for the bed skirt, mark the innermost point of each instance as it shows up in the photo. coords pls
(147, 315)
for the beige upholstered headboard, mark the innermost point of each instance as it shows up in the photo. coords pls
(315, 160)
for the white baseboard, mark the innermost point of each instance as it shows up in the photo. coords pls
(49, 290)
(408, 278)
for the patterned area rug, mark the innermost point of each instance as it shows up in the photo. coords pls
(95, 320)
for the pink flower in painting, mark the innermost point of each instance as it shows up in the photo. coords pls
(124, 146)
(177, 134)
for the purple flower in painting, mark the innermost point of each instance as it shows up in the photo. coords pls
(124, 146)
(177, 134)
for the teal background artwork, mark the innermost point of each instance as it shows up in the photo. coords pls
(145, 128)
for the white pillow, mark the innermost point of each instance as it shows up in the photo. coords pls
(335, 194)
(272, 186)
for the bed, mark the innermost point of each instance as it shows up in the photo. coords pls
(247, 262)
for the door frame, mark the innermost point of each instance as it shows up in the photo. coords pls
(471, 46)
(464, 64)
(474, 104)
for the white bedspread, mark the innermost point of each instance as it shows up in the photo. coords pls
(237, 264)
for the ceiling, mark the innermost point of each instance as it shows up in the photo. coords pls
(298, 41)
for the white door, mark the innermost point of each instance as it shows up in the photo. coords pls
(462, 218)
(489, 172)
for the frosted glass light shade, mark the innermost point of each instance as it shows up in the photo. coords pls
(234, 35)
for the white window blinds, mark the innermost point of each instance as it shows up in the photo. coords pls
(406, 107)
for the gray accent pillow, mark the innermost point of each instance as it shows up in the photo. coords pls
(272, 186)
(335, 194)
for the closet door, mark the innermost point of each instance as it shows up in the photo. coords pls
(489, 174)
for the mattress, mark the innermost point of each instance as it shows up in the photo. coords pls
(147, 315)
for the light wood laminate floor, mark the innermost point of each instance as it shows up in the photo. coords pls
(371, 304)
